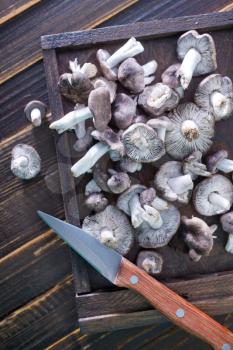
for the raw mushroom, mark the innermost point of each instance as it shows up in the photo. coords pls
(150, 261)
(134, 77)
(155, 238)
(35, 111)
(193, 165)
(198, 56)
(161, 125)
(109, 63)
(227, 226)
(83, 143)
(118, 182)
(219, 161)
(170, 78)
(193, 130)
(142, 143)
(198, 236)
(110, 85)
(173, 184)
(123, 110)
(150, 197)
(112, 228)
(96, 202)
(25, 161)
(92, 187)
(215, 94)
(101, 177)
(88, 69)
(130, 166)
(157, 99)
(213, 196)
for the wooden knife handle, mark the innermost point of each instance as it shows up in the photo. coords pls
(174, 307)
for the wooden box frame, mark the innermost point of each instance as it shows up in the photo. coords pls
(103, 310)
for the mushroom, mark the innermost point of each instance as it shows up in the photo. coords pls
(193, 130)
(157, 99)
(215, 94)
(139, 119)
(170, 78)
(198, 56)
(110, 85)
(173, 184)
(198, 236)
(149, 197)
(123, 110)
(101, 177)
(96, 202)
(109, 63)
(25, 161)
(83, 143)
(227, 226)
(99, 108)
(92, 187)
(219, 161)
(150, 261)
(155, 238)
(193, 165)
(112, 228)
(88, 69)
(130, 166)
(161, 125)
(142, 144)
(118, 182)
(134, 77)
(213, 196)
(35, 111)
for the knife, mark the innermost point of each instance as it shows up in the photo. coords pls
(123, 273)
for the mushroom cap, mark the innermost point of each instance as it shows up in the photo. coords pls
(179, 145)
(96, 202)
(100, 105)
(142, 143)
(157, 99)
(119, 182)
(169, 76)
(85, 142)
(193, 165)
(101, 177)
(76, 86)
(214, 83)
(110, 85)
(227, 222)
(131, 75)
(32, 105)
(33, 166)
(204, 44)
(115, 220)
(150, 261)
(216, 184)
(155, 238)
(123, 110)
(213, 159)
(147, 196)
(109, 73)
(124, 198)
(111, 138)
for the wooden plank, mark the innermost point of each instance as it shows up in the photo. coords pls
(12, 8)
(63, 16)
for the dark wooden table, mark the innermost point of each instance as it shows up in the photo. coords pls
(37, 306)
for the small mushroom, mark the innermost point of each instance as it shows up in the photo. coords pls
(123, 110)
(193, 165)
(142, 143)
(193, 130)
(150, 261)
(96, 202)
(110, 85)
(88, 69)
(170, 78)
(112, 228)
(198, 56)
(213, 196)
(219, 161)
(109, 63)
(161, 125)
(150, 197)
(215, 94)
(227, 226)
(118, 182)
(157, 99)
(173, 184)
(101, 177)
(92, 187)
(198, 236)
(25, 161)
(83, 143)
(130, 166)
(35, 111)
(134, 77)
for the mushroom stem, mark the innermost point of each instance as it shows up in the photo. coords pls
(229, 245)
(80, 130)
(190, 61)
(107, 237)
(36, 117)
(181, 184)
(159, 96)
(220, 103)
(225, 165)
(150, 68)
(190, 130)
(159, 204)
(71, 119)
(130, 49)
(21, 162)
(152, 217)
(136, 211)
(219, 201)
(90, 158)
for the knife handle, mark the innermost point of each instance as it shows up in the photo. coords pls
(174, 307)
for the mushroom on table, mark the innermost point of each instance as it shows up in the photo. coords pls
(170, 78)
(35, 111)
(219, 161)
(118, 181)
(110, 85)
(150, 261)
(25, 161)
(123, 111)
(96, 202)
(227, 225)
(193, 165)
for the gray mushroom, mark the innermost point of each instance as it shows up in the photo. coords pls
(96, 202)
(88, 69)
(170, 78)
(110, 85)
(25, 162)
(157, 99)
(161, 125)
(198, 56)
(134, 77)
(112, 228)
(215, 94)
(227, 226)
(193, 165)
(118, 182)
(219, 161)
(150, 261)
(123, 110)
(109, 63)
(198, 236)
(173, 184)
(149, 197)
(213, 196)
(35, 111)
(130, 166)
(193, 131)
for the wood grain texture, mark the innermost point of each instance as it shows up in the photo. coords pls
(13, 8)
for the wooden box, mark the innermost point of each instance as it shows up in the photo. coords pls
(208, 283)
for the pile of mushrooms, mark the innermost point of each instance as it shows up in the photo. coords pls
(123, 110)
